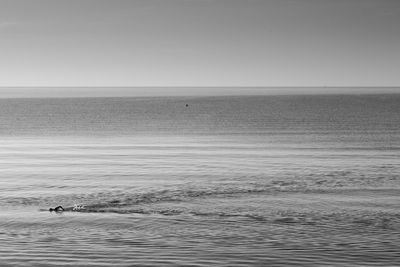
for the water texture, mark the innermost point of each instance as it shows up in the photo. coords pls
(223, 181)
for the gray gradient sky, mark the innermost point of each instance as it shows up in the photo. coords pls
(200, 43)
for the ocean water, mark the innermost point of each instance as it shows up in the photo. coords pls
(223, 181)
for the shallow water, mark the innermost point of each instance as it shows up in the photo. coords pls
(227, 181)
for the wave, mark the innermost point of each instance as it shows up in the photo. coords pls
(119, 199)
(334, 219)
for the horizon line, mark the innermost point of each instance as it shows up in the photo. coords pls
(193, 86)
(172, 91)
(197, 96)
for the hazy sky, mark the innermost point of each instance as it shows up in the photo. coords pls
(200, 43)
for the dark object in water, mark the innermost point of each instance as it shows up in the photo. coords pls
(57, 209)
(187, 105)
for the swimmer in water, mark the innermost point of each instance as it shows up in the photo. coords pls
(57, 209)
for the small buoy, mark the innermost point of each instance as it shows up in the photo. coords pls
(187, 105)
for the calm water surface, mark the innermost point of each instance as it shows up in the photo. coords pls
(225, 181)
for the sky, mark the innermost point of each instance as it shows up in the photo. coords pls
(168, 43)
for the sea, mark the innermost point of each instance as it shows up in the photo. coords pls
(291, 180)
